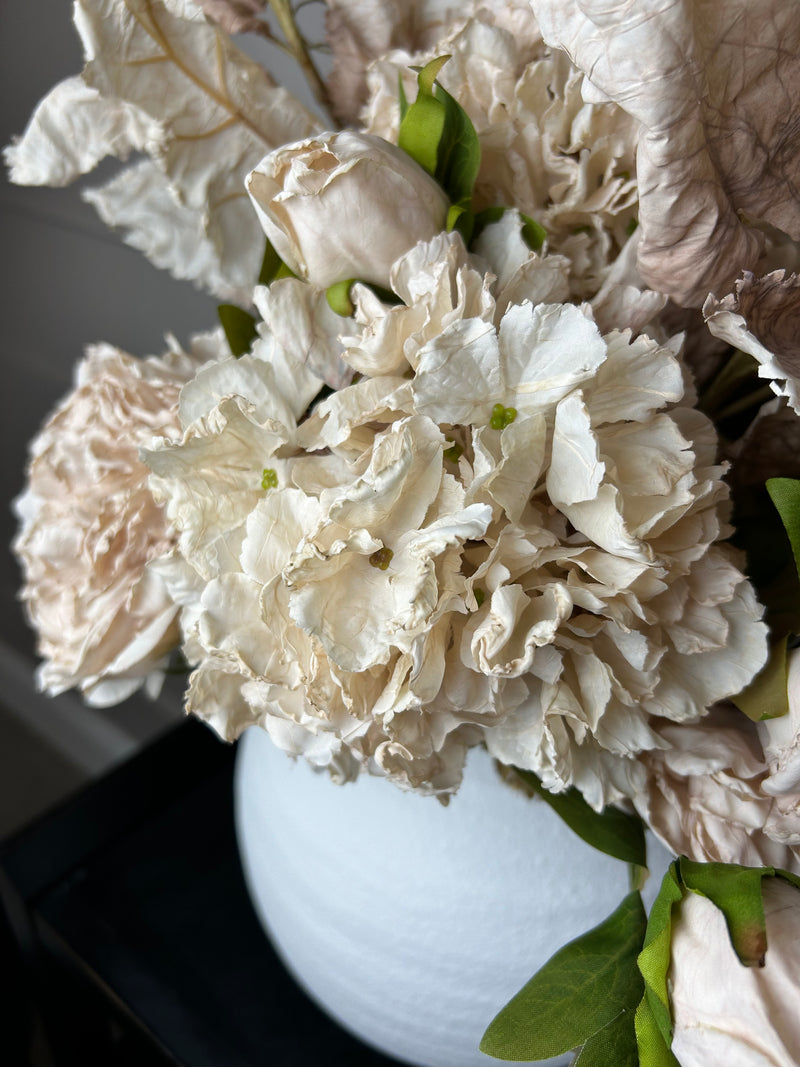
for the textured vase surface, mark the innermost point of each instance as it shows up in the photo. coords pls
(409, 922)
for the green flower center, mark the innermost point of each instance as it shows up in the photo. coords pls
(382, 558)
(502, 417)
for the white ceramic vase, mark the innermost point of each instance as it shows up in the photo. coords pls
(409, 922)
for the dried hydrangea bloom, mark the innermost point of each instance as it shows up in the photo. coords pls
(567, 163)
(504, 533)
(90, 526)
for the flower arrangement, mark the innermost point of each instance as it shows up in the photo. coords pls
(496, 445)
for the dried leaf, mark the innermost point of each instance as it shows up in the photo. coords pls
(234, 16)
(716, 89)
(205, 113)
(71, 130)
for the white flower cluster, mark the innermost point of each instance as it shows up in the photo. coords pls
(502, 533)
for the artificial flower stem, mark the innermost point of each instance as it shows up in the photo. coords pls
(299, 49)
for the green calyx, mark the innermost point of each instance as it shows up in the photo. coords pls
(437, 132)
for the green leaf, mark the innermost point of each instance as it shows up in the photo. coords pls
(785, 495)
(437, 132)
(580, 990)
(737, 892)
(767, 696)
(653, 1050)
(401, 92)
(270, 265)
(429, 73)
(614, 1044)
(611, 830)
(239, 326)
(461, 219)
(533, 233)
(459, 156)
(655, 955)
(339, 298)
(422, 126)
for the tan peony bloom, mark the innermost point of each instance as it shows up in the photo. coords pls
(345, 205)
(725, 1013)
(90, 526)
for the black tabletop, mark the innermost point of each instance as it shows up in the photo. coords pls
(129, 927)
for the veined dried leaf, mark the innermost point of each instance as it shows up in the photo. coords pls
(715, 87)
(159, 77)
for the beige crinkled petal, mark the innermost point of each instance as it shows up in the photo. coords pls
(521, 273)
(438, 283)
(622, 301)
(300, 321)
(636, 379)
(545, 352)
(344, 412)
(507, 466)
(458, 375)
(278, 384)
(211, 480)
(762, 317)
(715, 87)
(576, 470)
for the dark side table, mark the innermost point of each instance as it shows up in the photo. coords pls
(128, 938)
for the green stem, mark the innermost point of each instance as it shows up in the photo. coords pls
(757, 397)
(299, 49)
